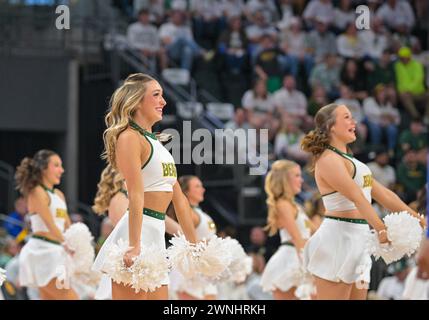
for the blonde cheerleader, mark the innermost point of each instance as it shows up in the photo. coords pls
(337, 254)
(43, 256)
(205, 228)
(150, 176)
(283, 273)
(112, 197)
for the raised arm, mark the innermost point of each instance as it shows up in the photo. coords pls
(40, 204)
(183, 213)
(128, 160)
(334, 172)
(287, 220)
(389, 200)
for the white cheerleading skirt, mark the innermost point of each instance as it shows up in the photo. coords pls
(104, 289)
(196, 287)
(337, 252)
(40, 261)
(282, 270)
(152, 233)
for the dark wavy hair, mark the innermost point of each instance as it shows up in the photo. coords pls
(29, 172)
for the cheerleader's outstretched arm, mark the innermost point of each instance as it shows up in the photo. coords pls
(171, 226)
(389, 200)
(184, 213)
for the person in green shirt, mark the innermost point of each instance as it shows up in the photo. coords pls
(415, 138)
(411, 176)
(410, 84)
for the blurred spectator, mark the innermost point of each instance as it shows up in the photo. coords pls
(315, 209)
(293, 102)
(258, 100)
(402, 38)
(15, 219)
(155, 7)
(257, 27)
(179, 42)
(232, 8)
(411, 175)
(381, 118)
(415, 138)
(319, 9)
(206, 20)
(10, 249)
(105, 229)
(266, 7)
(240, 120)
(375, 40)
(253, 282)
(317, 100)
(383, 73)
(396, 12)
(410, 83)
(422, 57)
(272, 63)
(321, 41)
(293, 42)
(381, 170)
(287, 144)
(327, 75)
(352, 75)
(258, 243)
(344, 14)
(287, 12)
(350, 44)
(392, 288)
(144, 37)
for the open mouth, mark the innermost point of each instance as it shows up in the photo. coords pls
(352, 130)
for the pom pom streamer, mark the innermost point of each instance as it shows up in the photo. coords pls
(241, 264)
(147, 271)
(2, 276)
(405, 234)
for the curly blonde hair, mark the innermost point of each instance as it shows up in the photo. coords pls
(123, 105)
(277, 187)
(110, 184)
(317, 140)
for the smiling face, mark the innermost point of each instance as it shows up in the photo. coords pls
(295, 180)
(195, 191)
(345, 126)
(153, 102)
(52, 174)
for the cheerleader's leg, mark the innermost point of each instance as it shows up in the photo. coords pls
(159, 294)
(51, 292)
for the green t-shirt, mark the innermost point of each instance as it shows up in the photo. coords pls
(411, 178)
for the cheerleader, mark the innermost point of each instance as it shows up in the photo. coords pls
(43, 256)
(205, 228)
(336, 254)
(150, 175)
(282, 275)
(112, 197)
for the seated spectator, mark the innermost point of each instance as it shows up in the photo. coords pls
(381, 170)
(320, 41)
(10, 249)
(327, 76)
(422, 57)
(240, 120)
(319, 9)
(155, 7)
(287, 12)
(415, 138)
(231, 8)
(293, 102)
(258, 100)
(266, 7)
(411, 175)
(258, 243)
(395, 12)
(402, 38)
(317, 100)
(143, 36)
(375, 40)
(352, 75)
(105, 229)
(178, 41)
(392, 288)
(410, 85)
(383, 73)
(287, 144)
(15, 220)
(381, 117)
(315, 209)
(293, 42)
(350, 44)
(343, 15)
(253, 282)
(257, 27)
(206, 20)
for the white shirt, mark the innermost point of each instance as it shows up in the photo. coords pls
(232, 8)
(169, 29)
(391, 288)
(342, 19)
(402, 13)
(321, 10)
(141, 36)
(293, 102)
(208, 9)
(374, 43)
(385, 175)
(296, 42)
(268, 7)
(375, 112)
(250, 102)
(350, 47)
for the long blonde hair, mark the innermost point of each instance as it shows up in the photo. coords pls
(277, 187)
(111, 182)
(123, 105)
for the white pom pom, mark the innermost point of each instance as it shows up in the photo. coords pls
(405, 234)
(79, 239)
(2, 276)
(181, 255)
(241, 264)
(145, 274)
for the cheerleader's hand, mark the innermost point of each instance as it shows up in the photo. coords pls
(69, 250)
(382, 237)
(130, 256)
(423, 222)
